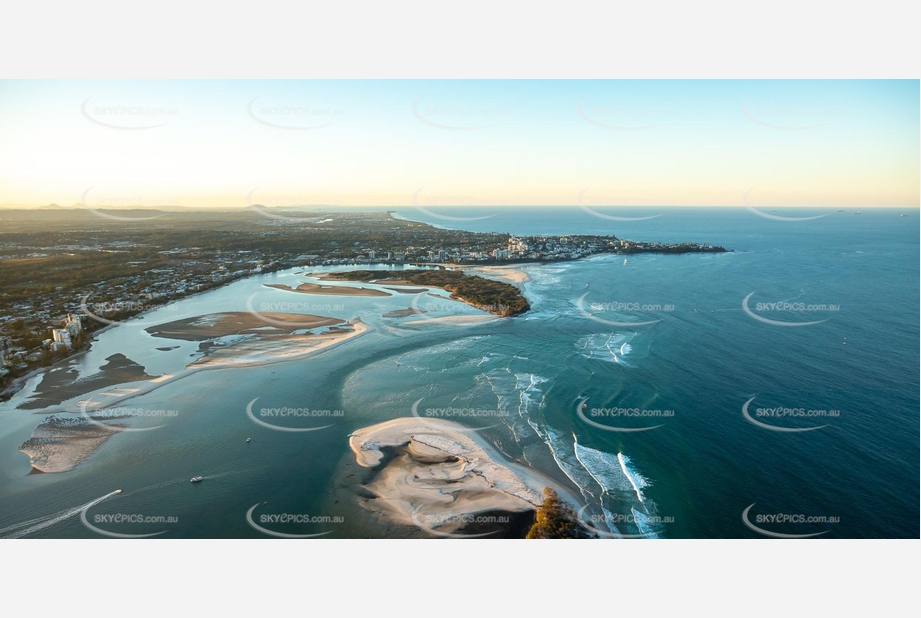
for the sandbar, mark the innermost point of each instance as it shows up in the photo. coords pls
(435, 474)
(214, 325)
(333, 290)
(58, 445)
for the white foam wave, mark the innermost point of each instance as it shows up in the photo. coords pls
(45, 522)
(637, 481)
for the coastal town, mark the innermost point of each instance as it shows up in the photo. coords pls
(65, 277)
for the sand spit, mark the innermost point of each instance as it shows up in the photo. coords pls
(454, 319)
(215, 325)
(267, 349)
(61, 384)
(334, 290)
(438, 475)
(509, 274)
(402, 313)
(58, 445)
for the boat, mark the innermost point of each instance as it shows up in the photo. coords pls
(196, 479)
(840, 211)
(903, 215)
(247, 439)
(857, 213)
(625, 261)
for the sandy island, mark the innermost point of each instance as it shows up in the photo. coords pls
(258, 343)
(436, 474)
(214, 325)
(60, 384)
(402, 313)
(454, 319)
(58, 445)
(334, 290)
(274, 349)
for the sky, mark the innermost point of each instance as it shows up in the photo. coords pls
(495, 142)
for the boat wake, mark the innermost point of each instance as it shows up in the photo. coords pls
(36, 525)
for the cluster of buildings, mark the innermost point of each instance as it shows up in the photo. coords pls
(64, 338)
(515, 248)
(19, 357)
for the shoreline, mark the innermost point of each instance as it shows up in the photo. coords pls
(442, 475)
(61, 444)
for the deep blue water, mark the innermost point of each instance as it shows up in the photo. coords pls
(700, 357)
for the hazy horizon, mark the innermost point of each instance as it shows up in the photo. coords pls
(362, 143)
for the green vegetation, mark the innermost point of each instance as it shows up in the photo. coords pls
(493, 296)
(555, 520)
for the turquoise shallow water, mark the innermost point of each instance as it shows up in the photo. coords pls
(688, 374)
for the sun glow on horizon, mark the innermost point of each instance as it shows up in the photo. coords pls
(231, 144)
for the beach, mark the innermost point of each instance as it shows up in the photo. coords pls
(275, 349)
(213, 325)
(438, 475)
(332, 290)
(508, 274)
(58, 445)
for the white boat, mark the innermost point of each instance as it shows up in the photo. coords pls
(196, 479)
(247, 439)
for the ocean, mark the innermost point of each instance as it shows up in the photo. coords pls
(771, 391)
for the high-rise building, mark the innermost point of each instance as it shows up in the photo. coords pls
(62, 336)
(73, 325)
